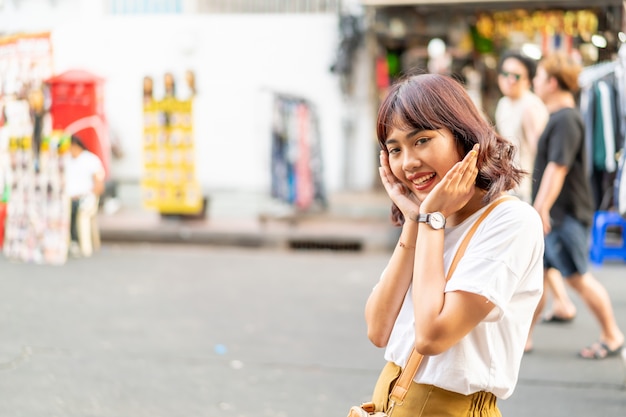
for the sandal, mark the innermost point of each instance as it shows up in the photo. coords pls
(553, 318)
(600, 350)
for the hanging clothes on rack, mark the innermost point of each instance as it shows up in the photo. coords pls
(619, 195)
(600, 103)
(296, 154)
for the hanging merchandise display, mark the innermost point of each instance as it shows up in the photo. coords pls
(4, 175)
(602, 98)
(36, 211)
(474, 36)
(169, 182)
(25, 61)
(552, 30)
(296, 154)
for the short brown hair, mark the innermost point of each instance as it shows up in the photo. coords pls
(564, 69)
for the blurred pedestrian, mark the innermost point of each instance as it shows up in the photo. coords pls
(84, 183)
(521, 117)
(443, 165)
(562, 196)
(520, 114)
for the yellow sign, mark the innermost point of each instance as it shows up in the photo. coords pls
(169, 182)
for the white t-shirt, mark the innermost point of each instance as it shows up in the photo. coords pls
(504, 263)
(79, 173)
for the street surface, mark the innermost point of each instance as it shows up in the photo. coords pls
(189, 331)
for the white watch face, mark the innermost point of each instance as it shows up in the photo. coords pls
(437, 221)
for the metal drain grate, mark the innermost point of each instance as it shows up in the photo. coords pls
(334, 245)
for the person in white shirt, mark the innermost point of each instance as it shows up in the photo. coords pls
(84, 182)
(442, 165)
(520, 115)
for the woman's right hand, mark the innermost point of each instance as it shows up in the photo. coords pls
(401, 196)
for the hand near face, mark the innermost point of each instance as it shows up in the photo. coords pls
(402, 197)
(456, 188)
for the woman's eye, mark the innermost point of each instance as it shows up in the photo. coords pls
(393, 150)
(421, 141)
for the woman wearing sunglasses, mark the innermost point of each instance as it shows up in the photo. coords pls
(520, 114)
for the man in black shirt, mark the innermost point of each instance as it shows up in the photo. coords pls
(562, 195)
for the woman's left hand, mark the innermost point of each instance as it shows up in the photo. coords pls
(456, 188)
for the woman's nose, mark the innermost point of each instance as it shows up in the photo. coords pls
(410, 162)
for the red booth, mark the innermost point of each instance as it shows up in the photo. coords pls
(77, 107)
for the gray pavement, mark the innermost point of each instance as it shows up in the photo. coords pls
(193, 330)
(553, 380)
(239, 323)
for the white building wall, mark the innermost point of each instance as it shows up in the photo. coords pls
(239, 60)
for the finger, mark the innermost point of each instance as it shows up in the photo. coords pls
(388, 180)
(470, 157)
(383, 176)
(454, 176)
(469, 180)
(384, 164)
(470, 168)
(470, 174)
(383, 160)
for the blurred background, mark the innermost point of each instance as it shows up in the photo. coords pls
(238, 126)
(269, 103)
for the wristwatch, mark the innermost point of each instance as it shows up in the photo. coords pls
(434, 220)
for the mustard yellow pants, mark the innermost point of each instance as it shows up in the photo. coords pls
(429, 401)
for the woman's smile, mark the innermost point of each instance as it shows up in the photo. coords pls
(422, 181)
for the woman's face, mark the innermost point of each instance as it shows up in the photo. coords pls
(420, 159)
(513, 78)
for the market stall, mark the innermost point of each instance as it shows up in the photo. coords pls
(466, 38)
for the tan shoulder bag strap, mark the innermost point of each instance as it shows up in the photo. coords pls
(415, 358)
(459, 253)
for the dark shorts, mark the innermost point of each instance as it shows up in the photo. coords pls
(567, 248)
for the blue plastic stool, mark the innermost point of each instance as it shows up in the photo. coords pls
(600, 248)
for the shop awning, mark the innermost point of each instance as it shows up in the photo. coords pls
(486, 3)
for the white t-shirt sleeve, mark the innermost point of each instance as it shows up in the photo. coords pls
(509, 240)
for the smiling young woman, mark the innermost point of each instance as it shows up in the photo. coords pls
(443, 165)
(436, 106)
